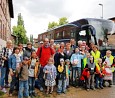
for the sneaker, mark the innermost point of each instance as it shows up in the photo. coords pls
(4, 90)
(93, 88)
(31, 95)
(34, 94)
(47, 92)
(101, 87)
(10, 95)
(51, 92)
(97, 87)
(64, 92)
(41, 89)
(7, 85)
(87, 89)
(110, 85)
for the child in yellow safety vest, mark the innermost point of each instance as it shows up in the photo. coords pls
(100, 72)
(108, 59)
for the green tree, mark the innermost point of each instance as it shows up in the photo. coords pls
(20, 31)
(31, 38)
(54, 24)
(63, 21)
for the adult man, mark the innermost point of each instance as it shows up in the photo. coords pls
(44, 53)
(7, 51)
(28, 50)
(73, 46)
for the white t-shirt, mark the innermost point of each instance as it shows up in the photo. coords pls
(32, 67)
(18, 60)
(108, 61)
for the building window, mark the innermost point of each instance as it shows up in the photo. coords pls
(72, 33)
(57, 34)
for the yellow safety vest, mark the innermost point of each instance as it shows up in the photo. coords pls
(98, 68)
(96, 55)
(111, 61)
(84, 62)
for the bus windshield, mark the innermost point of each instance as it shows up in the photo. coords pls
(104, 31)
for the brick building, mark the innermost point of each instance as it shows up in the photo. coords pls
(6, 13)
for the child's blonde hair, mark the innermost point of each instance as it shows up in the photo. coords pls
(51, 60)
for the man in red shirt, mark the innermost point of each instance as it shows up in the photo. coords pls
(44, 53)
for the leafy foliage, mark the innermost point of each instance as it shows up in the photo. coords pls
(54, 24)
(20, 31)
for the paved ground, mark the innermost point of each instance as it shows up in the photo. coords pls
(72, 92)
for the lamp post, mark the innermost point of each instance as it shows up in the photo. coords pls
(102, 9)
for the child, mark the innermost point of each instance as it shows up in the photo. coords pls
(91, 68)
(76, 66)
(23, 78)
(67, 61)
(33, 73)
(108, 74)
(62, 76)
(100, 71)
(50, 75)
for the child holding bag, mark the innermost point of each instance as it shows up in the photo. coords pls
(50, 75)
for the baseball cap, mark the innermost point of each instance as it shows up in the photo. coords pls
(61, 59)
(67, 60)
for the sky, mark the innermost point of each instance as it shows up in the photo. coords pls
(38, 13)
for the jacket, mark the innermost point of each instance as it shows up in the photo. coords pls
(12, 61)
(52, 72)
(100, 71)
(77, 56)
(27, 52)
(36, 70)
(62, 72)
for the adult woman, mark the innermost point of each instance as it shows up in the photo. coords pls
(14, 61)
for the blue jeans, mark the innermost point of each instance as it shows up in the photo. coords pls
(0, 76)
(13, 83)
(61, 86)
(23, 89)
(74, 75)
(3, 73)
(31, 82)
(99, 81)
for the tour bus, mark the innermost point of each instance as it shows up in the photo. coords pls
(99, 31)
